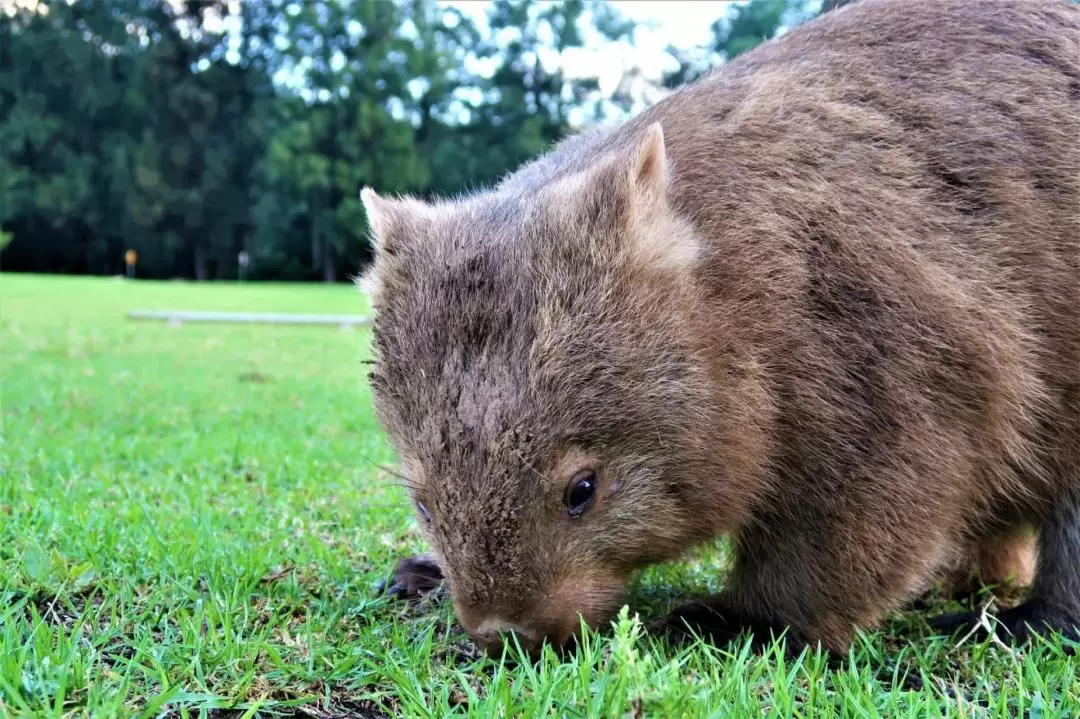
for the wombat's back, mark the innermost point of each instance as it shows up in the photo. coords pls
(892, 198)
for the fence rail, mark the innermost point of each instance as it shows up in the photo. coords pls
(176, 317)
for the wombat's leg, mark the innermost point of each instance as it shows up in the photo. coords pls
(1002, 563)
(1054, 602)
(1055, 592)
(1008, 562)
(414, 576)
(717, 621)
(818, 575)
(805, 585)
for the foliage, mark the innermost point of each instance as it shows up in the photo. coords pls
(190, 130)
(146, 125)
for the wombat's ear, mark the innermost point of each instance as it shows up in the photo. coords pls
(648, 169)
(380, 218)
(632, 183)
(660, 239)
(391, 222)
(395, 222)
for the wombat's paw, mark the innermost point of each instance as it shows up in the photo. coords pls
(1033, 619)
(682, 625)
(704, 619)
(718, 625)
(953, 622)
(1017, 625)
(413, 577)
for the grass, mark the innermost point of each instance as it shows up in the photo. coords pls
(191, 525)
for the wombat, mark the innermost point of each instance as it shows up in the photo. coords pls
(824, 301)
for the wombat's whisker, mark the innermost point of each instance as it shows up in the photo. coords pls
(402, 480)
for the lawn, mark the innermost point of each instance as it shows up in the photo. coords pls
(193, 523)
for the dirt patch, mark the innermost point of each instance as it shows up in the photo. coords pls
(62, 610)
(252, 377)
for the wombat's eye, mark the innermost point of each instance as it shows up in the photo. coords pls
(422, 508)
(581, 492)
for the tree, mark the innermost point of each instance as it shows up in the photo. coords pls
(61, 107)
(188, 133)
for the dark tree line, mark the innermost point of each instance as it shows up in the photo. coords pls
(145, 125)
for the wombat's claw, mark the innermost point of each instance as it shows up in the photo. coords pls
(1016, 625)
(413, 577)
(953, 622)
(687, 622)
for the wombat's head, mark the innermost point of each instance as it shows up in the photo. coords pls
(535, 372)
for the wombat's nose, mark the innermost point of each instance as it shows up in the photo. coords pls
(491, 634)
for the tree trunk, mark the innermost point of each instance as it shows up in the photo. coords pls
(200, 264)
(329, 275)
(87, 251)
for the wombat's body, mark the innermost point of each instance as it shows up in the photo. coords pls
(825, 301)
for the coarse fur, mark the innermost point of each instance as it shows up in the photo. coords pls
(824, 301)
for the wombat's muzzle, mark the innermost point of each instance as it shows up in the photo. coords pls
(495, 637)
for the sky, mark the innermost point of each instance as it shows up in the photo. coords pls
(661, 23)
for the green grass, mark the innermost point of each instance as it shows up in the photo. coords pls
(191, 525)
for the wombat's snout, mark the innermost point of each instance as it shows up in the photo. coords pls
(493, 633)
(579, 600)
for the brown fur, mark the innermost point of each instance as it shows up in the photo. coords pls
(825, 301)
